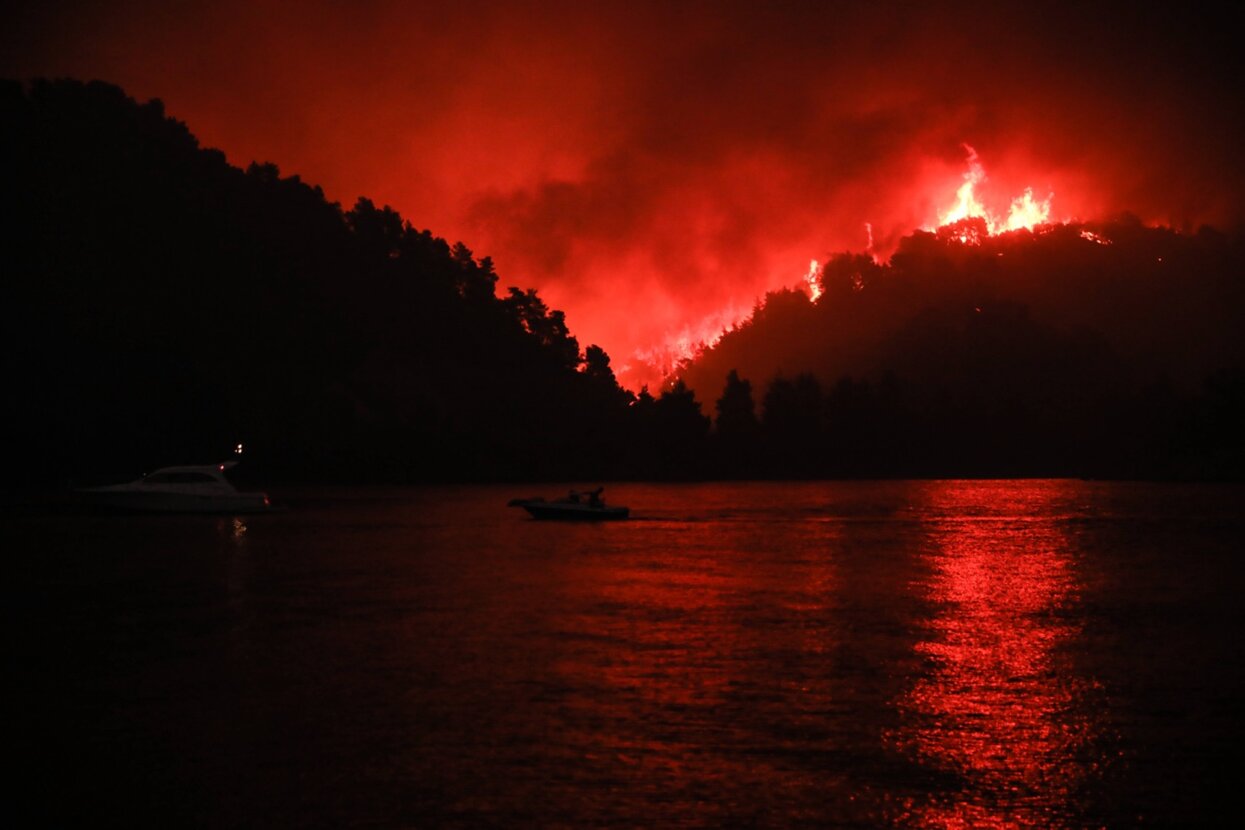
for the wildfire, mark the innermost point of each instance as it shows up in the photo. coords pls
(1025, 211)
(812, 278)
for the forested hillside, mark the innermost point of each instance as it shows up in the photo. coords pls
(162, 305)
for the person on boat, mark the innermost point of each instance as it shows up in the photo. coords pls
(594, 498)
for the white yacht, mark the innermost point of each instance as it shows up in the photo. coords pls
(190, 489)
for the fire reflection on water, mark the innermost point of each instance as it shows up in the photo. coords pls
(1001, 707)
(758, 666)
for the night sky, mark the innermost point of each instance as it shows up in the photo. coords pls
(653, 168)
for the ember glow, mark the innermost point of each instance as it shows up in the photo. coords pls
(1095, 238)
(660, 362)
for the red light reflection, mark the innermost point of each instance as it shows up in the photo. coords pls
(1000, 707)
(705, 669)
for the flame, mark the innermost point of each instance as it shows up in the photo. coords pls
(966, 204)
(869, 247)
(813, 278)
(1025, 212)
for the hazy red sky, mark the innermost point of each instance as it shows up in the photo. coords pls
(651, 167)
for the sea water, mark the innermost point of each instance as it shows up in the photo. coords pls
(912, 654)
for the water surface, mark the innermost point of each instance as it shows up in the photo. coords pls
(914, 654)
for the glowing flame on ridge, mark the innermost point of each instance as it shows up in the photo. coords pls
(869, 248)
(1025, 211)
(813, 280)
(689, 341)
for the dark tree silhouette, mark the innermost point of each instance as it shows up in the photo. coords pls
(682, 431)
(792, 422)
(736, 411)
(736, 430)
